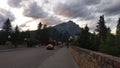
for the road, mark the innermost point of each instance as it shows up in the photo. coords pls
(61, 59)
(24, 58)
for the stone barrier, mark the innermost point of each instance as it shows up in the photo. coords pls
(91, 59)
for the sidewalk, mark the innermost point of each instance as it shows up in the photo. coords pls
(61, 59)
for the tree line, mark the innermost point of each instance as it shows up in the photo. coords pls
(14, 35)
(102, 39)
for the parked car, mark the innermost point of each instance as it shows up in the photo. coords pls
(49, 47)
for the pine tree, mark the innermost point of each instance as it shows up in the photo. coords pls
(39, 26)
(118, 28)
(94, 41)
(7, 30)
(16, 36)
(84, 39)
(102, 33)
(7, 26)
(102, 29)
(118, 33)
(44, 26)
(39, 32)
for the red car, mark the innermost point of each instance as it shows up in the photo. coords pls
(49, 47)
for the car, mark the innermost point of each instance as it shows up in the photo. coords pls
(49, 47)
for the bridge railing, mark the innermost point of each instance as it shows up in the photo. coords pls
(91, 59)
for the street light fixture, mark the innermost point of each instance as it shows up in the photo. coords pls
(9, 37)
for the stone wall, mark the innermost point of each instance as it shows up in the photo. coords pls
(90, 59)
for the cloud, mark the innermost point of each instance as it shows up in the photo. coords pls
(30, 8)
(91, 2)
(75, 10)
(33, 10)
(109, 8)
(112, 10)
(25, 24)
(5, 14)
(15, 3)
(51, 20)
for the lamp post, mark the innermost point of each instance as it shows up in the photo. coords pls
(9, 37)
(70, 38)
(25, 41)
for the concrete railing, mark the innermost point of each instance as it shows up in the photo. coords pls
(91, 59)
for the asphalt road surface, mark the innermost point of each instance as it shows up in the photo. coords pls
(24, 58)
(61, 59)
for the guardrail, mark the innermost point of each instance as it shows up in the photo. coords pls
(91, 59)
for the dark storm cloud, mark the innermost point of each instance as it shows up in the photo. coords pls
(5, 14)
(51, 20)
(72, 10)
(33, 10)
(91, 2)
(15, 3)
(112, 10)
(30, 8)
(76, 8)
(109, 8)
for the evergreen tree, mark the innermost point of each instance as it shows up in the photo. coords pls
(7, 26)
(44, 35)
(118, 33)
(27, 38)
(109, 45)
(102, 29)
(16, 36)
(39, 26)
(7, 29)
(44, 26)
(84, 39)
(118, 36)
(39, 32)
(94, 41)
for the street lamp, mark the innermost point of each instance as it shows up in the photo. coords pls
(9, 37)
(70, 39)
(25, 39)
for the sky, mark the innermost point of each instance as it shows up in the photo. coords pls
(28, 13)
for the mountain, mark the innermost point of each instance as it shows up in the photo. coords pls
(68, 27)
(54, 34)
(63, 31)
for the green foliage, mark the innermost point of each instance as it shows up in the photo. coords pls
(32, 42)
(42, 34)
(94, 42)
(109, 46)
(118, 33)
(6, 31)
(103, 41)
(102, 29)
(16, 36)
(7, 26)
(84, 39)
